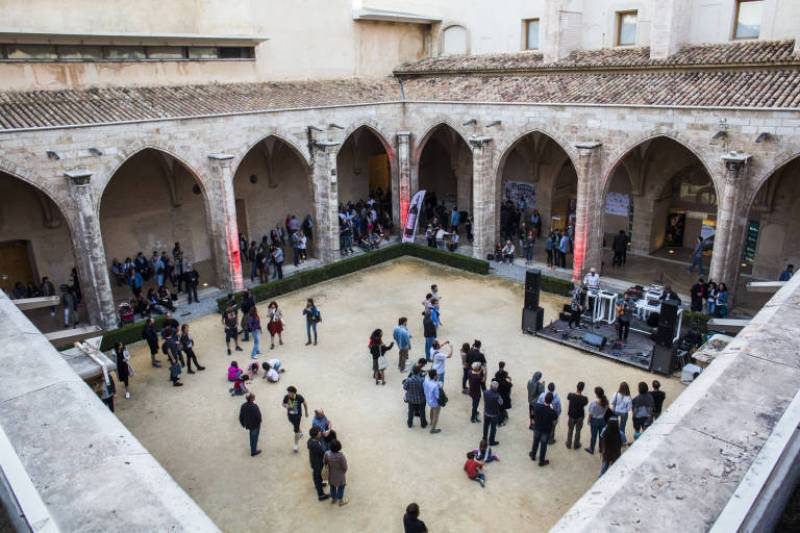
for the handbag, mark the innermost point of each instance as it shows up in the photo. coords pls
(382, 362)
(443, 399)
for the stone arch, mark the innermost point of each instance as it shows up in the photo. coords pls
(376, 130)
(452, 24)
(289, 140)
(7, 167)
(430, 130)
(508, 146)
(781, 160)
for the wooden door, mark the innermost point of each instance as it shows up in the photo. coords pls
(15, 264)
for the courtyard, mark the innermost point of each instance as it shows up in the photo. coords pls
(194, 431)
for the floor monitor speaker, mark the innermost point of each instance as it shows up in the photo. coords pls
(595, 340)
(661, 362)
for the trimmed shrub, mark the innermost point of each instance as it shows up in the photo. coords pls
(696, 320)
(342, 267)
(560, 286)
(127, 334)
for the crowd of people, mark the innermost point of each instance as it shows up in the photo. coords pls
(70, 296)
(268, 255)
(443, 225)
(365, 224)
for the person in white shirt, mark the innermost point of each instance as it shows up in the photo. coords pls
(592, 280)
(272, 370)
(432, 386)
(441, 353)
(508, 252)
(621, 404)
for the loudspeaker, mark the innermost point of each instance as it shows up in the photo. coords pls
(564, 317)
(593, 339)
(532, 281)
(532, 319)
(652, 320)
(664, 335)
(668, 317)
(661, 362)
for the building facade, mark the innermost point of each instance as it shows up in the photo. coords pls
(194, 126)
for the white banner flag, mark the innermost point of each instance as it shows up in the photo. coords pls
(412, 218)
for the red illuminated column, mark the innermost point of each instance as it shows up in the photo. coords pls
(224, 229)
(403, 196)
(588, 246)
(483, 196)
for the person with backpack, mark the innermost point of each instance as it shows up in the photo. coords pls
(151, 336)
(172, 351)
(231, 324)
(313, 317)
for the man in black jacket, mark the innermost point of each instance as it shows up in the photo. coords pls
(149, 334)
(250, 419)
(543, 418)
(620, 248)
(315, 455)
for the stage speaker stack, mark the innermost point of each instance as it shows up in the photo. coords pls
(667, 323)
(661, 362)
(532, 314)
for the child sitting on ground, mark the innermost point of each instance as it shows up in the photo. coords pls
(484, 453)
(252, 370)
(234, 371)
(272, 370)
(239, 386)
(474, 468)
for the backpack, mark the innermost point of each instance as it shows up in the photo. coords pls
(443, 399)
(317, 316)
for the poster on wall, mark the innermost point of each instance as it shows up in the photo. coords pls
(412, 218)
(750, 241)
(676, 225)
(707, 231)
(522, 193)
(618, 203)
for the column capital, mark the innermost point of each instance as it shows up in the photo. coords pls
(587, 147)
(480, 141)
(735, 161)
(79, 176)
(219, 156)
(325, 146)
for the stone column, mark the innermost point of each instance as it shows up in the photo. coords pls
(483, 200)
(402, 198)
(588, 213)
(223, 225)
(90, 255)
(731, 220)
(326, 198)
(641, 234)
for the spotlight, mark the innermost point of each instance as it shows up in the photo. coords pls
(313, 128)
(53, 155)
(744, 265)
(471, 122)
(720, 135)
(95, 151)
(671, 252)
(205, 284)
(494, 123)
(764, 136)
(254, 179)
(338, 127)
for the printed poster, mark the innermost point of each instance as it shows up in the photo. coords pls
(412, 218)
(522, 193)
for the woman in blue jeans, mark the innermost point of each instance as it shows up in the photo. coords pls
(254, 325)
(313, 317)
(597, 416)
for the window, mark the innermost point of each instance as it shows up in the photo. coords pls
(626, 28)
(748, 19)
(31, 52)
(80, 53)
(454, 40)
(237, 52)
(203, 52)
(122, 53)
(83, 52)
(532, 34)
(165, 52)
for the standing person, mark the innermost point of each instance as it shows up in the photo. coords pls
(68, 302)
(260, 265)
(294, 404)
(549, 250)
(556, 405)
(697, 257)
(465, 348)
(432, 388)
(250, 419)
(535, 387)
(403, 340)
(415, 396)
(611, 440)
(313, 317)
(543, 418)
(248, 302)
(624, 317)
(619, 246)
(658, 398)
(337, 470)
(411, 521)
(316, 454)
(528, 246)
(621, 404)
(192, 281)
(563, 249)
(275, 324)
(107, 391)
(698, 295)
(642, 408)
(575, 309)
(786, 275)
(429, 331)
(172, 351)
(377, 349)
(504, 389)
(254, 325)
(475, 355)
(187, 344)
(597, 416)
(575, 415)
(441, 353)
(721, 304)
(48, 289)
(491, 412)
(231, 324)
(476, 380)
(124, 370)
(277, 261)
(151, 336)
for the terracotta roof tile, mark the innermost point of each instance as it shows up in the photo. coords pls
(97, 106)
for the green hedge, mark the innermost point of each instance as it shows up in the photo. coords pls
(560, 286)
(696, 320)
(304, 278)
(127, 334)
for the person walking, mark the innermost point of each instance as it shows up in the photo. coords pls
(415, 396)
(337, 470)
(429, 331)
(295, 404)
(642, 407)
(465, 348)
(543, 418)
(624, 317)
(441, 353)
(254, 325)
(504, 389)
(316, 455)
(187, 344)
(491, 412)
(275, 324)
(403, 340)
(250, 419)
(528, 246)
(575, 415)
(68, 302)
(432, 388)
(151, 336)
(476, 380)
(698, 295)
(231, 324)
(313, 317)
(621, 404)
(697, 257)
(171, 349)
(411, 521)
(597, 416)
(611, 440)
(378, 350)
(107, 391)
(122, 358)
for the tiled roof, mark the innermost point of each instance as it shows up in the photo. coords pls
(96, 106)
(756, 88)
(727, 54)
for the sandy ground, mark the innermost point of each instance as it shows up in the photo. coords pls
(194, 431)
